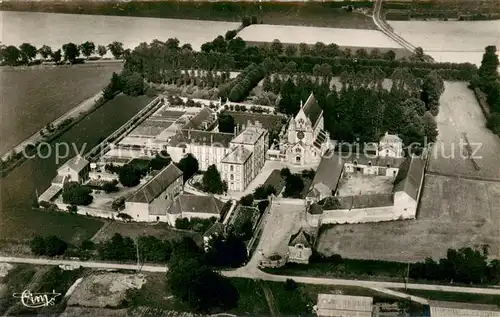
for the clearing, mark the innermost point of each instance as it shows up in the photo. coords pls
(461, 114)
(453, 213)
(34, 96)
(450, 41)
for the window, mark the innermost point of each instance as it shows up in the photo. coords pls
(183, 150)
(387, 151)
(297, 150)
(231, 168)
(355, 163)
(231, 177)
(369, 163)
(388, 165)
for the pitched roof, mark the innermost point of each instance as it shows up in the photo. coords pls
(312, 110)
(410, 176)
(76, 163)
(455, 309)
(205, 115)
(360, 201)
(250, 135)
(194, 203)
(389, 138)
(156, 185)
(239, 155)
(267, 121)
(217, 228)
(303, 238)
(201, 137)
(329, 171)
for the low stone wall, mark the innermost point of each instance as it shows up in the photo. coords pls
(365, 215)
(273, 263)
(289, 201)
(87, 211)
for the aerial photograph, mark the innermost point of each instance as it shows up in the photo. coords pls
(250, 158)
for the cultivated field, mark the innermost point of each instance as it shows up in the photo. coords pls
(35, 96)
(453, 213)
(353, 184)
(311, 35)
(56, 29)
(460, 113)
(450, 41)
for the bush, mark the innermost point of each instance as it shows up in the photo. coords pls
(124, 216)
(182, 223)
(49, 246)
(290, 285)
(76, 194)
(129, 175)
(247, 200)
(110, 187)
(118, 204)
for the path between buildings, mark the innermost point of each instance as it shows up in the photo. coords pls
(255, 273)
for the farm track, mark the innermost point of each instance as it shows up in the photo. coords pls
(475, 178)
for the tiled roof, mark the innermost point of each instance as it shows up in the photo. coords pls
(76, 163)
(268, 121)
(329, 171)
(312, 110)
(157, 185)
(410, 176)
(303, 238)
(201, 137)
(194, 203)
(360, 201)
(363, 159)
(205, 115)
(239, 155)
(250, 135)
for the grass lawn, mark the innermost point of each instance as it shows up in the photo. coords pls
(15, 281)
(455, 297)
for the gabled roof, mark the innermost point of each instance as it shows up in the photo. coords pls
(76, 163)
(194, 203)
(238, 155)
(363, 159)
(268, 121)
(205, 115)
(329, 171)
(157, 185)
(301, 237)
(390, 138)
(410, 176)
(312, 110)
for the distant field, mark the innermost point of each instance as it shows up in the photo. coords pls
(455, 297)
(35, 96)
(327, 14)
(453, 213)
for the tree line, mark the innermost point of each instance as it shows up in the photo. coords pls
(488, 81)
(362, 109)
(26, 53)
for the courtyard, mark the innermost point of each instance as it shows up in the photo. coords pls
(353, 184)
(454, 213)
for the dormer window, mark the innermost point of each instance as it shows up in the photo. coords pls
(355, 163)
(388, 165)
(369, 163)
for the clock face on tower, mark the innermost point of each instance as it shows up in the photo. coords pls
(300, 135)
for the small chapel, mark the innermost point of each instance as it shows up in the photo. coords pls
(305, 141)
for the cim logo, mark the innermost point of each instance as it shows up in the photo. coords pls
(37, 300)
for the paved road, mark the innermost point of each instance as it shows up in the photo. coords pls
(255, 273)
(387, 30)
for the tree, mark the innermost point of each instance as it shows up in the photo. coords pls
(118, 248)
(276, 47)
(227, 251)
(206, 289)
(76, 194)
(114, 86)
(11, 55)
(45, 51)
(230, 34)
(290, 50)
(116, 48)
(303, 49)
(129, 175)
(264, 191)
(247, 200)
(28, 52)
(101, 50)
(152, 249)
(493, 122)
(430, 127)
(132, 84)
(71, 52)
(290, 285)
(87, 49)
(110, 187)
(57, 56)
(416, 104)
(432, 88)
(54, 246)
(212, 181)
(226, 123)
(285, 172)
(293, 186)
(161, 160)
(488, 71)
(189, 166)
(37, 245)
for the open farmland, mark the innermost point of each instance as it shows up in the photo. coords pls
(453, 213)
(460, 113)
(346, 38)
(450, 41)
(56, 29)
(35, 96)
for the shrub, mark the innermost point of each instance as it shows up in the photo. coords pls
(290, 285)
(76, 194)
(118, 204)
(182, 223)
(124, 216)
(110, 187)
(247, 200)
